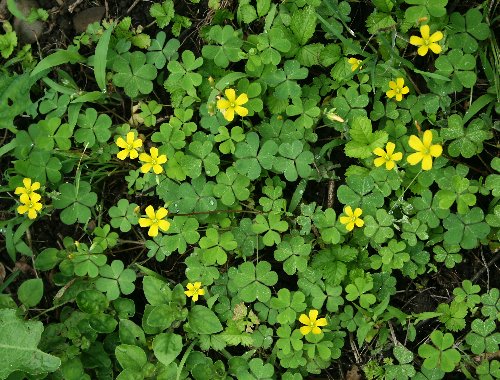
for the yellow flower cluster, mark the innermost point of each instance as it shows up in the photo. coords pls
(30, 200)
(427, 41)
(130, 144)
(425, 151)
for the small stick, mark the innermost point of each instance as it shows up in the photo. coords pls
(132, 6)
(72, 7)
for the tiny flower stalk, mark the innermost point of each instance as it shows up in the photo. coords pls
(194, 291)
(387, 156)
(425, 150)
(129, 146)
(232, 104)
(312, 323)
(427, 41)
(397, 89)
(352, 218)
(155, 221)
(152, 161)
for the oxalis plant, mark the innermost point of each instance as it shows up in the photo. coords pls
(254, 190)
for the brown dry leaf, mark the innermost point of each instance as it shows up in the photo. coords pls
(353, 373)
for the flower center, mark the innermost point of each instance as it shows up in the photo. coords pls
(397, 90)
(233, 105)
(130, 146)
(153, 162)
(353, 218)
(387, 157)
(427, 42)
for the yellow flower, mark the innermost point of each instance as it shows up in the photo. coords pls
(425, 150)
(28, 189)
(152, 160)
(30, 204)
(352, 218)
(155, 220)
(129, 146)
(387, 156)
(232, 104)
(355, 63)
(427, 41)
(194, 290)
(312, 324)
(398, 89)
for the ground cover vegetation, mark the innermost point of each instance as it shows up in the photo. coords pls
(252, 189)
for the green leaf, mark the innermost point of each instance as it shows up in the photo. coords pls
(166, 347)
(114, 279)
(30, 292)
(202, 320)
(130, 357)
(228, 46)
(466, 230)
(483, 337)
(101, 58)
(76, 202)
(163, 13)
(134, 74)
(467, 142)
(58, 58)
(363, 140)
(303, 24)
(18, 346)
(253, 281)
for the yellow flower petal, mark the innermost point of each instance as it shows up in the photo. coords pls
(397, 156)
(22, 209)
(422, 50)
(122, 154)
(201, 292)
(349, 226)
(242, 111)
(400, 82)
(130, 138)
(304, 319)
(425, 31)
(321, 322)
(399, 97)
(379, 161)
(427, 139)
(157, 169)
(348, 211)
(242, 99)
(144, 222)
(150, 212)
(436, 150)
(164, 225)
(379, 151)
(357, 213)
(304, 330)
(359, 222)
(133, 154)
(230, 95)
(27, 183)
(405, 90)
(436, 49)
(392, 84)
(415, 143)
(229, 114)
(153, 152)
(427, 163)
(316, 330)
(162, 213)
(144, 157)
(31, 213)
(415, 158)
(161, 159)
(344, 219)
(313, 314)
(222, 104)
(389, 165)
(153, 230)
(436, 36)
(120, 142)
(390, 94)
(137, 143)
(390, 148)
(146, 167)
(35, 186)
(416, 41)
